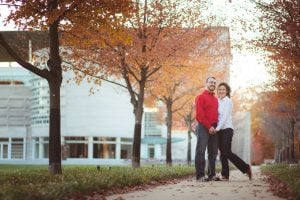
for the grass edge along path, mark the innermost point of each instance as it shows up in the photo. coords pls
(76, 182)
(284, 180)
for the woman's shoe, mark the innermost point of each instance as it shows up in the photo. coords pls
(224, 178)
(249, 173)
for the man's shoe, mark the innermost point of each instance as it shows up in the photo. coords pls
(249, 173)
(213, 178)
(201, 179)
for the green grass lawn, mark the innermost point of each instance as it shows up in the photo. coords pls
(289, 175)
(34, 181)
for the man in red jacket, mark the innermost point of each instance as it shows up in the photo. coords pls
(206, 105)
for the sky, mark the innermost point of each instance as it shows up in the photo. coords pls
(246, 68)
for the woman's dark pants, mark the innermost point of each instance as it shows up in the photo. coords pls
(225, 140)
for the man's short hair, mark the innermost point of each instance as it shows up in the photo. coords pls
(209, 78)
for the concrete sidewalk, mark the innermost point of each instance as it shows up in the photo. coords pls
(239, 187)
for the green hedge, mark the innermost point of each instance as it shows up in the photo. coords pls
(288, 174)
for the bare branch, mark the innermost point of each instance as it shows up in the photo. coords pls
(94, 76)
(42, 73)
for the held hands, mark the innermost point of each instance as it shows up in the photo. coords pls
(212, 130)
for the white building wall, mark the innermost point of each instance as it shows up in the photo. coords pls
(241, 142)
(107, 112)
(179, 149)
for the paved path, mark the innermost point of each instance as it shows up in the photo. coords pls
(239, 187)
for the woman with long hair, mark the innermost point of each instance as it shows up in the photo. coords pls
(225, 134)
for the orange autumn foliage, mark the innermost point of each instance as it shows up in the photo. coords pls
(55, 16)
(156, 35)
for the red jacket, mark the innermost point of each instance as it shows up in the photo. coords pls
(206, 109)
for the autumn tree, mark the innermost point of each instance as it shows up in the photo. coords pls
(177, 84)
(52, 16)
(276, 117)
(157, 32)
(178, 87)
(280, 40)
(174, 87)
(280, 37)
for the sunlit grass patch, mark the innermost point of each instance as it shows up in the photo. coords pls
(34, 182)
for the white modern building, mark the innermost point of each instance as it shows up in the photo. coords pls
(95, 128)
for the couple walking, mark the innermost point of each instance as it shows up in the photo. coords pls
(214, 130)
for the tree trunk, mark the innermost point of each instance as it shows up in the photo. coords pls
(296, 132)
(188, 119)
(136, 148)
(169, 132)
(189, 148)
(138, 112)
(292, 142)
(54, 129)
(54, 80)
(296, 141)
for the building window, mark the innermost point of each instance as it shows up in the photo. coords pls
(17, 148)
(46, 150)
(130, 140)
(104, 151)
(152, 124)
(126, 151)
(36, 148)
(151, 151)
(77, 147)
(105, 139)
(104, 147)
(41, 146)
(126, 148)
(4, 148)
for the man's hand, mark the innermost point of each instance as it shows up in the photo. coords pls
(194, 124)
(212, 130)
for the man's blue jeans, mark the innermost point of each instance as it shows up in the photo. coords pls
(204, 139)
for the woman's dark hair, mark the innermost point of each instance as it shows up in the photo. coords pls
(228, 89)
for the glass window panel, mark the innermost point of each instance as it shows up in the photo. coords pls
(5, 151)
(46, 150)
(151, 151)
(126, 139)
(17, 151)
(104, 151)
(105, 139)
(152, 124)
(17, 139)
(76, 138)
(126, 151)
(36, 153)
(77, 150)
(3, 139)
